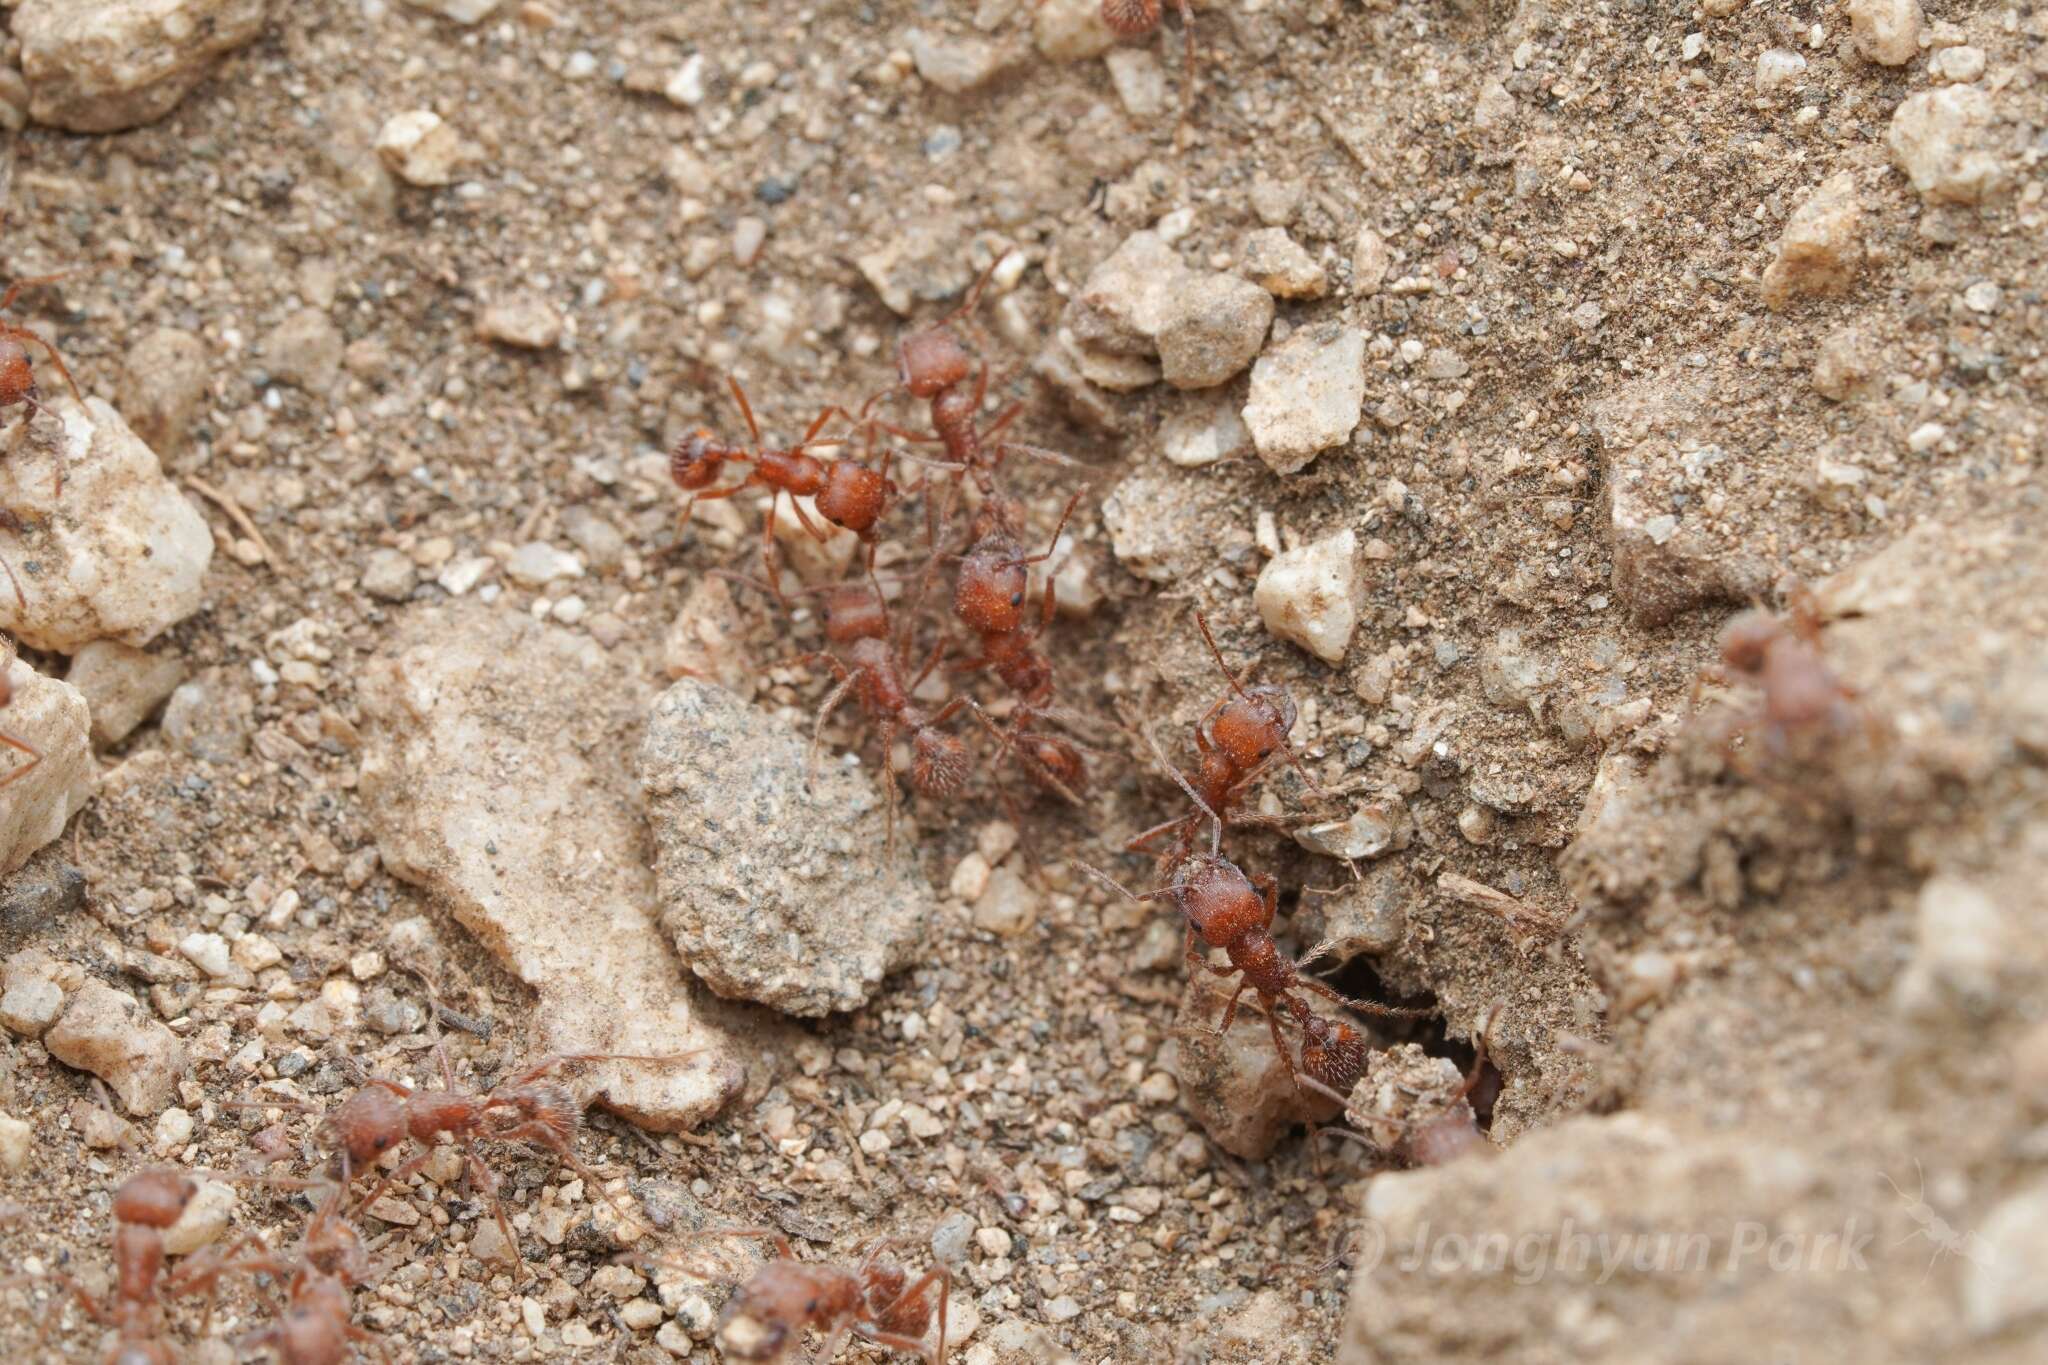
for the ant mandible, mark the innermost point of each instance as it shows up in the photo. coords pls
(144, 1206)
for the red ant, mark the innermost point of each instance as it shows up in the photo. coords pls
(988, 597)
(933, 365)
(315, 1327)
(1236, 739)
(17, 375)
(11, 740)
(846, 493)
(1227, 909)
(1800, 694)
(765, 1318)
(144, 1206)
(520, 1108)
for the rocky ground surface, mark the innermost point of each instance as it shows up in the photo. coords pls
(1467, 365)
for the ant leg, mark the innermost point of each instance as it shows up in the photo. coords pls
(1140, 842)
(1187, 80)
(833, 1342)
(1230, 1010)
(825, 709)
(403, 1173)
(35, 756)
(746, 410)
(1042, 455)
(768, 569)
(1269, 891)
(803, 519)
(1310, 983)
(55, 359)
(1280, 1046)
(20, 597)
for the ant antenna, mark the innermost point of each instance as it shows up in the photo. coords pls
(1180, 780)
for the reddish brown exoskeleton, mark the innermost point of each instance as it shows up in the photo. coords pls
(17, 373)
(524, 1107)
(766, 1317)
(846, 493)
(1236, 740)
(144, 1205)
(1447, 1132)
(1227, 909)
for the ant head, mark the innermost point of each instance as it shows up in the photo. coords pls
(932, 362)
(853, 496)
(989, 593)
(763, 1317)
(365, 1126)
(696, 460)
(315, 1326)
(1214, 894)
(1745, 640)
(1252, 728)
(855, 613)
(153, 1199)
(938, 762)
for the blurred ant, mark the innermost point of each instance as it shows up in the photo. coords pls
(144, 1206)
(316, 1327)
(17, 375)
(765, 1318)
(1236, 740)
(520, 1108)
(1227, 909)
(845, 493)
(1799, 695)
(11, 740)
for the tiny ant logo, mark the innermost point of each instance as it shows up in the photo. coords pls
(1947, 1241)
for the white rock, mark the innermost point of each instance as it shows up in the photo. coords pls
(1778, 69)
(686, 87)
(1844, 363)
(526, 320)
(1203, 434)
(121, 554)
(2007, 1277)
(15, 1147)
(494, 795)
(956, 63)
(121, 686)
(419, 147)
(1071, 30)
(1943, 141)
(1367, 832)
(1139, 79)
(1370, 262)
(114, 64)
(461, 11)
(1886, 31)
(205, 1218)
(1306, 395)
(1312, 596)
(30, 1005)
(1281, 266)
(537, 564)
(1956, 65)
(208, 952)
(51, 717)
(1821, 247)
(110, 1034)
